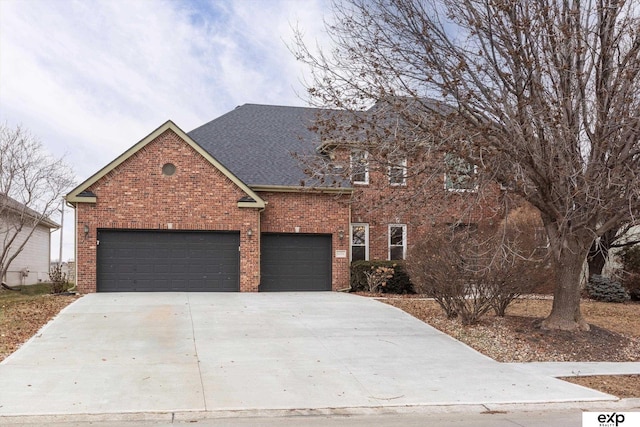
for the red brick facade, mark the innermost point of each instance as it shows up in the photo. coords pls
(313, 213)
(380, 204)
(137, 195)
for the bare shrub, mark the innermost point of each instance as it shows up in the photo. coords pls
(58, 279)
(470, 270)
(378, 276)
(442, 268)
(435, 267)
(521, 262)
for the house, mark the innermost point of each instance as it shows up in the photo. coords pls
(31, 265)
(228, 207)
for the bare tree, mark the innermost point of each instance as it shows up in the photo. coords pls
(547, 93)
(31, 186)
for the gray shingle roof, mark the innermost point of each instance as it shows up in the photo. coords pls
(256, 142)
(9, 204)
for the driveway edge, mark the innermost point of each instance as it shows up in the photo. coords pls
(186, 416)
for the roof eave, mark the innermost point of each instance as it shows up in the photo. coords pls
(300, 189)
(256, 205)
(78, 199)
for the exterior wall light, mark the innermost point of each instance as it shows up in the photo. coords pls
(341, 234)
(249, 233)
(86, 231)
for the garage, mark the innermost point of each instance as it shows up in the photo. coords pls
(167, 261)
(295, 262)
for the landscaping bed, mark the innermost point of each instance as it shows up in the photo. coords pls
(517, 337)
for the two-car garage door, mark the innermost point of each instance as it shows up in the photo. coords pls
(145, 261)
(204, 261)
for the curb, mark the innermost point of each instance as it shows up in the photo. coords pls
(194, 416)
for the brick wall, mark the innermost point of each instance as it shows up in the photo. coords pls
(421, 204)
(136, 195)
(309, 212)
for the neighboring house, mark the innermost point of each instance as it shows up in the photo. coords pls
(227, 207)
(32, 263)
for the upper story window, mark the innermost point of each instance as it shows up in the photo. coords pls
(398, 172)
(397, 241)
(360, 167)
(460, 175)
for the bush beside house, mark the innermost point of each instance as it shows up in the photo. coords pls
(397, 283)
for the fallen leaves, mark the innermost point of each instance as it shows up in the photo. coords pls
(21, 317)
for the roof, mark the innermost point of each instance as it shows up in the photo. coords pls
(259, 146)
(258, 142)
(19, 208)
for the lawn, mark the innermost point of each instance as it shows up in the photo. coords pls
(23, 313)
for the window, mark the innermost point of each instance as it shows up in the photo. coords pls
(397, 241)
(460, 175)
(359, 242)
(359, 167)
(168, 169)
(398, 172)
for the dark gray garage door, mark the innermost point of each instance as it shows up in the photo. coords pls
(155, 261)
(295, 262)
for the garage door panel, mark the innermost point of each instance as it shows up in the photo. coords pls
(167, 261)
(295, 262)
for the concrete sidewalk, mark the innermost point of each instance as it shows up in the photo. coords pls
(207, 352)
(578, 369)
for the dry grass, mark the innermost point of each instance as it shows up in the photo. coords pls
(622, 386)
(22, 314)
(621, 318)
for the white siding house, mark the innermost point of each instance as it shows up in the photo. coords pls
(32, 263)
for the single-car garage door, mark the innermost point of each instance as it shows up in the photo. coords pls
(156, 261)
(295, 262)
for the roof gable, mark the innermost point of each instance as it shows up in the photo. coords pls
(81, 194)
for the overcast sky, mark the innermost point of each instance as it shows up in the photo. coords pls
(92, 78)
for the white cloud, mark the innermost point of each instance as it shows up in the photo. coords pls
(91, 78)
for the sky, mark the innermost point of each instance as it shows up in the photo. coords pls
(91, 78)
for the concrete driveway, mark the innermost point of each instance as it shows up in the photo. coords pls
(200, 352)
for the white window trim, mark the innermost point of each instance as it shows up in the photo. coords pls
(404, 240)
(366, 168)
(463, 190)
(403, 165)
(366, 239)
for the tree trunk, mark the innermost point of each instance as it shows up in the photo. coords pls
(565, 313)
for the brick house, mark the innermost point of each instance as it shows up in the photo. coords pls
(226, 207)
